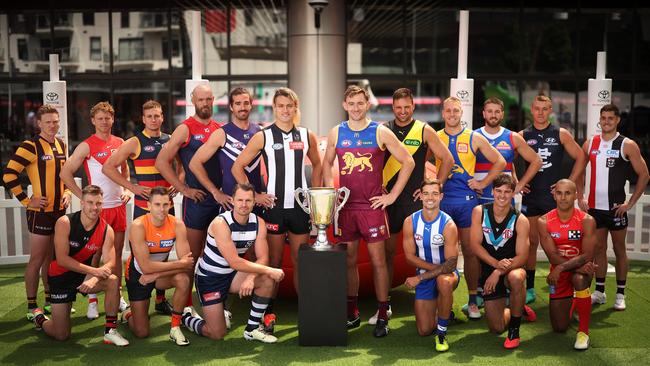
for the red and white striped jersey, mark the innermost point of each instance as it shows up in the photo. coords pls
(609, 171)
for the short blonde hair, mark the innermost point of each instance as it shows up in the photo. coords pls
(453, 100)
(105, 107)
(353, 90)
(151, 104)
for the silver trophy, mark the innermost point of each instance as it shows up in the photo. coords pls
(323, 206)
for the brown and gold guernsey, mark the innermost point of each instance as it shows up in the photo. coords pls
(361, 163)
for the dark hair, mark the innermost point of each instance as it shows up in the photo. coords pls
(504, 179)
(238, 91)
(611, 108)
(158, 191)
(402, 93)
(246, 187)
(91, 189)
(45, 109)
(431, 182)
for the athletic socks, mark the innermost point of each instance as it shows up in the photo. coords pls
(31, 303)
(176, 318)
(40, 319)
(111, 323)
(353, 310)
(620, 287)
(530, 278)
(189, 300)
(269, 307)
(472, 299)
(194, 324)
(92, 298)
(513, 327)
(160, 296)
(259, 305)
(583, 307)
(441, 328)
(600, 284)
(382, 309)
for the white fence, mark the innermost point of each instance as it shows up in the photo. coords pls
(14, 245)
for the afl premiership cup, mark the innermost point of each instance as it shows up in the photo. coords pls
(323, 206)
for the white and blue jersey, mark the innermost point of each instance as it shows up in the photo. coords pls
(503, 141)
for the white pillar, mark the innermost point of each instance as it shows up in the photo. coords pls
(462, 87)
(599, 93)
(196, 44)
(54, 93)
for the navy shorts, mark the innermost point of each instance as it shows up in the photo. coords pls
(213, 289)
(199, 215)
(63, 288)
(428, 290)
(136, 290)
(460, 210)
(607, 219)
(500, 291)
(537, 204)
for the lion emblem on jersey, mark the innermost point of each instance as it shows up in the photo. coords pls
(361, 160)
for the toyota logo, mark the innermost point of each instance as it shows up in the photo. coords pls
(603, 94)
(463, 123)
(52, 97)
(462, 94)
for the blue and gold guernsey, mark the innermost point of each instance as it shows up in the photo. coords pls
(504, 143)
(361, 163)
(429, 238)
(460, 146)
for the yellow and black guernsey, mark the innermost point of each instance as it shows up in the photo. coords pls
(412, 137)
(42, 161)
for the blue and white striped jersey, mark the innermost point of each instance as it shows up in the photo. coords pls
(429, 238)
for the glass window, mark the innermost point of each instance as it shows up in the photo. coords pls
(640, 118)
(26, 32)
(643, 40)
(563, 96)
(124, 19)
(493, 41)
(139, 48)
(95, 48)
(128, 99)
(182, 61)
(82, 96)
(508, 92)
(621, 96)
(220, 111)
(88, 18)
(258, 45)
(549, 42)
(606, 30)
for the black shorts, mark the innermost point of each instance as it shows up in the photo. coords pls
(213, 289)
(397, 213)
(607, 219)
(500, 291)
(136, 290)
(63, 288)
(537, 204)
(280, 220)
(42, 223)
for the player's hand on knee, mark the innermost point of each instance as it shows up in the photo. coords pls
(147, 278)
(505, 264)
(102, 272)
(491, 283)
(187, 260)
(88, 285)
(412, 282)
(246, 288)
(588, 268)
(276, 274)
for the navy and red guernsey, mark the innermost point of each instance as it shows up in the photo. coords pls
(198, 135)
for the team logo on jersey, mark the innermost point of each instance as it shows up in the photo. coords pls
(47, 157)
(277, 146)
(362, 161)
(610, 162)
(206, 130)
(457, 169)
(149, 148)
(503, 146)
(613, 153)
(346, 143)
(382, 229)
(507, 233)
(550, 141)
(74, 244)
(101, 154)
(438, 240)
(198, 137)
(532, 142)
(568, 251)
(167, 243)
(211, 296)
(296, 145)
(575, 234)
(411, 142)
(555, 235)
(462, 147)
(417, 237)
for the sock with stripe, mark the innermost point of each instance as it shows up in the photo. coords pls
(583, 307)
(192, 323)
(620, 286)
(189, 300)
(353, 309)
(176, 318)
(530, 278)
(441, 328)
(600, 284)
(160, 296)
(40, 319)
(92, 298)
(513, 327)
(382, 309)
(111, 323)
(31, 303)
(259, 305)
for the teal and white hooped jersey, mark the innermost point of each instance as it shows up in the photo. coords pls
(429, 238)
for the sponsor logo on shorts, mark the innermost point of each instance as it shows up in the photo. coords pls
(74, 244)
(346, 143)
(273, 227)
(532, 142)
(277, 146)
(58, 296)
(382, 229)
(167, 243)
(296, 145)
(374, 235)
(462, 147)
(47, 157)
(372, 230)
(438, 240)
(149, 148)
(211, 296)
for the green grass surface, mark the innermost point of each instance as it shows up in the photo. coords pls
(616, 337)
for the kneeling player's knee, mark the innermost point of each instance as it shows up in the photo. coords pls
(140, 332)
(424, 331)
(214, 334)
(580, 281)
(445, 283)
(516, 276)
(112, 282)
(62, 335)
(182, 280)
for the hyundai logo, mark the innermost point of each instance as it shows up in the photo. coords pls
(603, 94)
(462, 94)
(52, 97)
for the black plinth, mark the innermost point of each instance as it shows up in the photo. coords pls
(322, 312)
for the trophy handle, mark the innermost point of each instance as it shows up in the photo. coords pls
(303, 204)
(342, 195)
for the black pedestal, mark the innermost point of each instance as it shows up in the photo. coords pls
(322, 312)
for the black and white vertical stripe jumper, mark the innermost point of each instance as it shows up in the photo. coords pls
(212, 263)
(284, 156)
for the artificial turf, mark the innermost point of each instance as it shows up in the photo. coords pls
(616, 337)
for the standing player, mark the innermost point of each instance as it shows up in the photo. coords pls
(499, 238)
(93, 154)
(508, 144)
(549, 142)
(461, 187)
(568, 237)
(189, 136)
(152, 238)
(611, 156)
(77, 238)
(42, 157)
(420, 140)
(431, 244)
(222, 269)
(284, 146)
(360, 144)
(142, 149)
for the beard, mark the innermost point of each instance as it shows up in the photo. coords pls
(204, 113)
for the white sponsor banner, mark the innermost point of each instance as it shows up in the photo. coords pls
(463, 89)
(599, 93)
(54, 93)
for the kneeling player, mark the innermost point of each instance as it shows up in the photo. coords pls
(499, 238)
(222, 269)
(152, 237)
(77, 237)
(568, 237)
(430, 244)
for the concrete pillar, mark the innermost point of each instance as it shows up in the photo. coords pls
(317, 63)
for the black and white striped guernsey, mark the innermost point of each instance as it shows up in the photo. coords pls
(212, 263)
(284, 155)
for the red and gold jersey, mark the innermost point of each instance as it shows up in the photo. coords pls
(567, 236)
